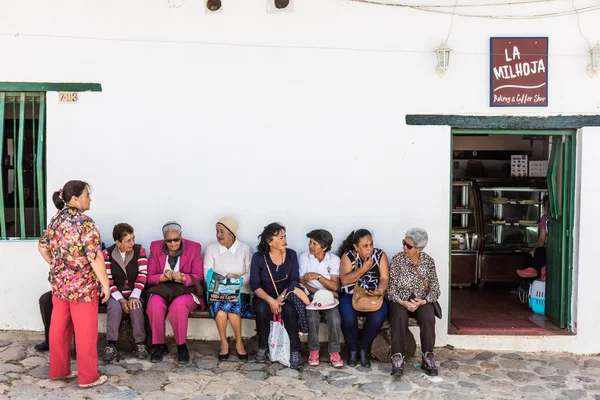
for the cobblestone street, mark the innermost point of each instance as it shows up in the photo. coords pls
(463, 375)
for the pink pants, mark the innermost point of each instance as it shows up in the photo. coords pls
(177, 313)
(83, 317)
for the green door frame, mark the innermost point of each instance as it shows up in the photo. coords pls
(568, 195)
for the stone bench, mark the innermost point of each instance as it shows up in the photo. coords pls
(381, 348)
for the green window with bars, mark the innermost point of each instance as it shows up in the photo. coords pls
(23, 177)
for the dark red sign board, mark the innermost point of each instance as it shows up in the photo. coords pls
(518, 72)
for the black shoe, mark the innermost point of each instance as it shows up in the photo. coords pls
(352, 357)
(365, 358)
(243, 357)
(223, 357)
(159, 351)
(261, 355)
(428, 364)
(109, 354)
(43, 346)
(397, 364)
(295, 360)
(183, 355)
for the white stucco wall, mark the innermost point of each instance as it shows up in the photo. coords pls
(295, 117)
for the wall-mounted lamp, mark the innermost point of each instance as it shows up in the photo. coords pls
(214, 5)
(443, 58)
(594, 66)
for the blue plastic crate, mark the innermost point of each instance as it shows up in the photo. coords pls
(537, 304)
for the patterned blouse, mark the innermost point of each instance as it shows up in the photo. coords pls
(369, 280)
(74, 241)
(404, 280)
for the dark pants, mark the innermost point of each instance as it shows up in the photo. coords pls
(114, 313)
(399, 315)
(371, 327)
(539, 259)
(264, 318)
(46, 312)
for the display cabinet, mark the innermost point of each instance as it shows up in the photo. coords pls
(511, 214)
(467, 232)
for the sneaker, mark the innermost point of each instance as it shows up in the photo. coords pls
(159, 351)
(313, 358)
(336, 360)
(295, 360)
(43, 346)
(261, 355)
(428, 364)
(109, 354)
(141, 352)
(527, 272)
(397, 364)
(183, 355)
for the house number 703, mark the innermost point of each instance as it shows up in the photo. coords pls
(68, 97)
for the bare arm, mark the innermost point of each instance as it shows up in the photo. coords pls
(541, 238)
(347, 276)
(46, 255)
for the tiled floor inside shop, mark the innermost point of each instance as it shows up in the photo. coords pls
(493, 309)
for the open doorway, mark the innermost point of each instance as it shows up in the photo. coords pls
(512, 211)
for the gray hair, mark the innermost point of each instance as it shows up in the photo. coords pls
(171, 226)
(418, 236)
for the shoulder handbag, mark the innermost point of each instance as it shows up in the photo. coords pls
(361, 299)
(297, 291)
(171, 290)
(436, 306)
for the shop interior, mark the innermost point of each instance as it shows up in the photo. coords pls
(498, 191)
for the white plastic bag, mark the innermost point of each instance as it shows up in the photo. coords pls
(279, 342)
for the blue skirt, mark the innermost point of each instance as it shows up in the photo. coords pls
(241, 308)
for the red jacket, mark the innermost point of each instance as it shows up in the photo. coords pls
(190, 262)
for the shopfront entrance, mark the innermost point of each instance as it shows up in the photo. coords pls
(512, 218)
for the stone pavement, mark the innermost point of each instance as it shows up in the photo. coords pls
(463, 375)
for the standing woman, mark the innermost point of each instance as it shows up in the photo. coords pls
(368, 266)
(71, 245)
(230, 258)
(274, 272)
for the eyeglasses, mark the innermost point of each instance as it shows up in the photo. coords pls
(408, 246)
(176, 240)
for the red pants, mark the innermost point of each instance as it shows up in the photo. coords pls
(83, 317)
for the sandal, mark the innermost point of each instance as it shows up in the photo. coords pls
(99, 382)
(72, 375)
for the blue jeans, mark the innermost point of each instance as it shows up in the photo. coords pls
(371, 327)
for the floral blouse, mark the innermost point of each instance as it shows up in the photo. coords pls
(404, 280)
(74, 241)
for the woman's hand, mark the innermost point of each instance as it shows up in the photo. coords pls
(275, 305)
(167, 275)
(377, 292)
(134, 303)
(124, 305)
(178, 276)
(105, 293)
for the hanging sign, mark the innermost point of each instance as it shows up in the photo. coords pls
(518, 72)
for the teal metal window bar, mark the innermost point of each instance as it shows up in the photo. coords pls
(22, 178)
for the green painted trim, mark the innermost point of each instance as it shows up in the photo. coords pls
(39, 163)
(525, 132)
(571, 225)
(505, 122)
(19, 166)
(49, 87)
(2, 217)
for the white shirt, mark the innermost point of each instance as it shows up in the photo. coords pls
(330, 266)
(235, 260)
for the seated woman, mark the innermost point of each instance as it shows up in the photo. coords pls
(320, 270)
(127, 267)
(413, 289)
(274, 272)
(230, 258)
(368, 266)
(173, 259)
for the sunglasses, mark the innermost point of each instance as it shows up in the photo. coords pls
(408, 246)
(176, 240)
